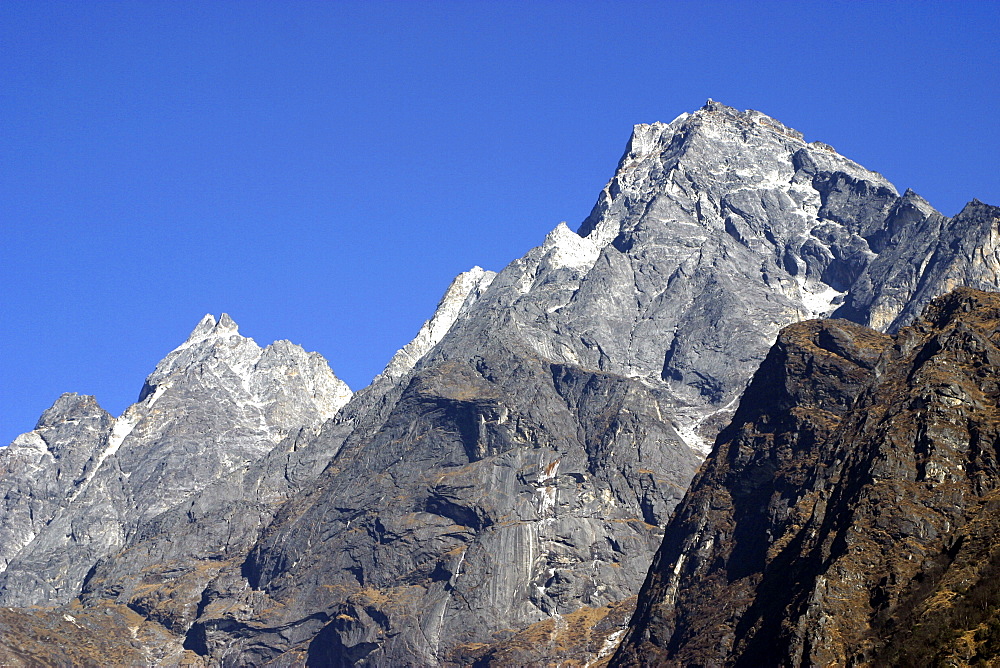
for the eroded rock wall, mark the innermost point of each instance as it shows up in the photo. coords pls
(846, 516)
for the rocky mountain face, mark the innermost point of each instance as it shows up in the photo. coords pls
(498, 492)
(848, 514)
(84, 486)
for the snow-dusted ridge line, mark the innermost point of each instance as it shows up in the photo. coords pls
(243, 360)
(464, 291)
(122, 428)
(243, 357)
(208, 328)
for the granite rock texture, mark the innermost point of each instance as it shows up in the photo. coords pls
(41, 468)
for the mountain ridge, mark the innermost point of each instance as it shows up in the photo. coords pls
(514, 463)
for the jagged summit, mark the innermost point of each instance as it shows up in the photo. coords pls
(716, 147)
(716, 230)
(209, 338)
(213, 405)
(70, 406)
(218, 346)
(209, 327)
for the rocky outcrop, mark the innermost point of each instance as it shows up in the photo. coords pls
(211, 408)
(923, 255)
(42, 468)
(481, 504)
(514, 464)
(847, 516)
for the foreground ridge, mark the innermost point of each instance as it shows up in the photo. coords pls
(848, 514)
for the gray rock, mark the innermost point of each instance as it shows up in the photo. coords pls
(425, 533)
(517, 459)
(40, 469)
(212, 407)
(497, 493)
(924, 256)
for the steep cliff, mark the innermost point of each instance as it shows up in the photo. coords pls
(848, 514)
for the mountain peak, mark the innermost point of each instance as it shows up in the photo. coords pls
(208, 326)
(717, 112)
(69, 406)
(538, 430)
(226, 324)
(715, 123)
(203, 328)
(701, 168)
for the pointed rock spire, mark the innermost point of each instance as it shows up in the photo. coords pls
(226, 325)
(209, 326)
(204, 326)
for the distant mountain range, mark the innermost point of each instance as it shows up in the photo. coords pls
(496, 496)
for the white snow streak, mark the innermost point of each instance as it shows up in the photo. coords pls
(610, 645)
(123, 427)
(688, 423)
(466, 288)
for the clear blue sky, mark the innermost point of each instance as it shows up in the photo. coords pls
(321, 171)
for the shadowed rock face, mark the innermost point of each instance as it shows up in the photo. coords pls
(923, 255)
(514, 464)
(479, 505)
(848, 514)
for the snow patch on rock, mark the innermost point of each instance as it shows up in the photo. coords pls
(122, 428)
(818, 299)
(610, 645)
(565, 248)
